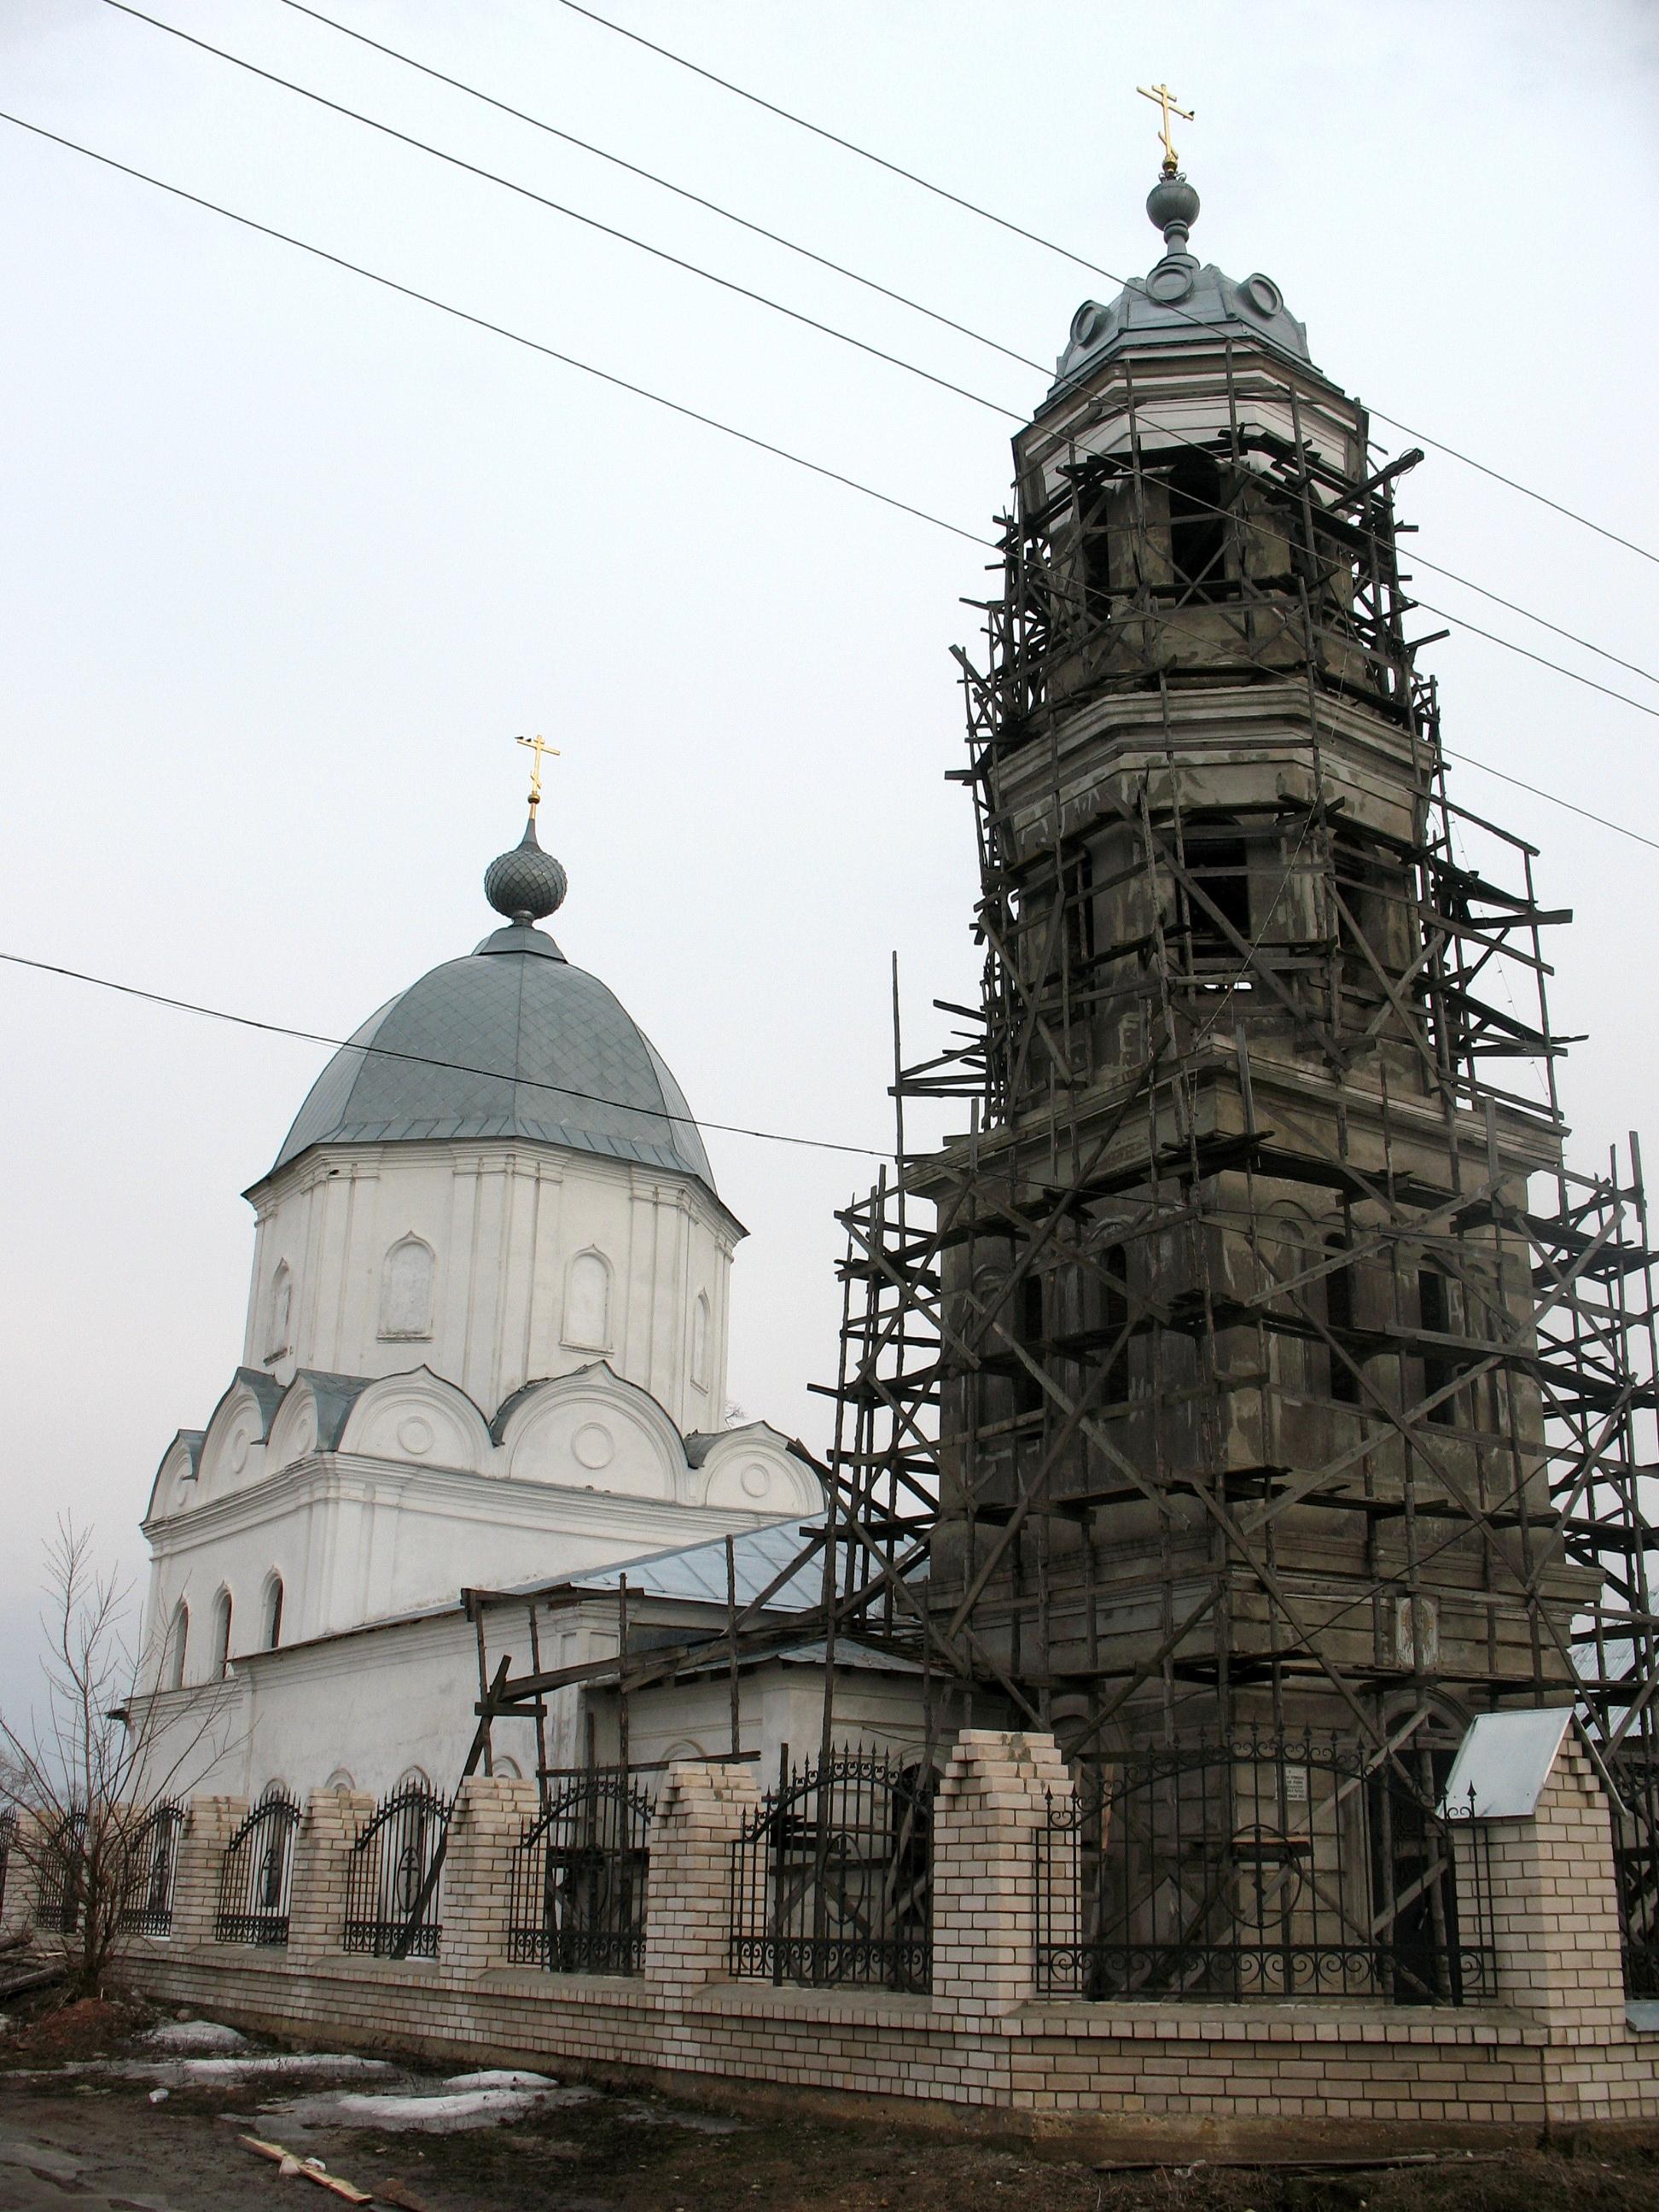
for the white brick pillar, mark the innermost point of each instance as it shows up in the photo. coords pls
(1554, 1902)
(490, 1815)
(991, 1816)
(323, 1845)
(22, 1872)
(688, 1911)
(210, 1824)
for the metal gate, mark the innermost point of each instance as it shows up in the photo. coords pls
(152, 1855)
(832, 1875)
(256, 1875)
(579, 1876)
(1260, 1867)
(392, 1881)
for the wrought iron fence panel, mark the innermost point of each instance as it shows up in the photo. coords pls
(1260, 1867)
(152, 1856)
(8, 1846)
(1635, 1866)
(832, 1876)
(61, 1877)
(391, 1905)
(256, 1876)
(577, 1901)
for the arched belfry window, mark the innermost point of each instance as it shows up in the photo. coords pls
(221, 1635)
(588, 1302)
(408, 1278)
(172, 1663)
(700, 1342)
(279, 1313)
(273, 1622)
(1216, 911)
(1198, 528)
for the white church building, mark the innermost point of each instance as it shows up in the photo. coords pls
(485, 1351)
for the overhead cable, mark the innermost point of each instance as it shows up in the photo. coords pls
(558, 207)
(828, 330)
(666, 184)
(1050, 245)
(639, 390)
(687, 1121)
(501, 330)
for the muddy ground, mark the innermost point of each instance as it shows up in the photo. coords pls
(98, 2143)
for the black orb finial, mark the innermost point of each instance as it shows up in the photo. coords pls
(526, 885)
(1172, 208)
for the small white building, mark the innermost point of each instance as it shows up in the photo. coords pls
(486, 1351)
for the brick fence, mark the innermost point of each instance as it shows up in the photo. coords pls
(1553, 2052)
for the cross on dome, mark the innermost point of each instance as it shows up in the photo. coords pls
(538, 746)
(1166, 100)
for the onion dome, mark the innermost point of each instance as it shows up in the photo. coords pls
(526, 885)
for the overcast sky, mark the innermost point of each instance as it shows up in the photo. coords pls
(289, 558)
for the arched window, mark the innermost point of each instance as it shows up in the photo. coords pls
(221, 1635)
(700, 1342)
(273, 1623)
(172, 1664)
(280, 1312)
(1198, 532)
(588, 1302)
(406, 1284)
(1434, 1308)
(1217, 912)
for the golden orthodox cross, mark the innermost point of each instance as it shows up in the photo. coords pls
(538, 746)
(1166, 100)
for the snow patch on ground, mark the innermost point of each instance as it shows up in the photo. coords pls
(184, 2039)
(220, 2073)
(468, 2100)
(501, 2077)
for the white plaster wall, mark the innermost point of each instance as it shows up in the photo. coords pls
(357, 1541)
(374, 1704)
(780, 1707)
(505, 1223)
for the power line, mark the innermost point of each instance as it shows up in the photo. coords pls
(828, 330)
(666, 184)
(605, 376)
(501, 330)
(572, 214)
(1621, 829)
(426, 1060)
(1050, 245)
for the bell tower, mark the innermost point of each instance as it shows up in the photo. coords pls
(1234, 1383)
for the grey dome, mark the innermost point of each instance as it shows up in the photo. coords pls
(535, 1048)
(1180, 302)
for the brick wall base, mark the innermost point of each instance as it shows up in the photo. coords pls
(1184, 2079)
(1554, 2054)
